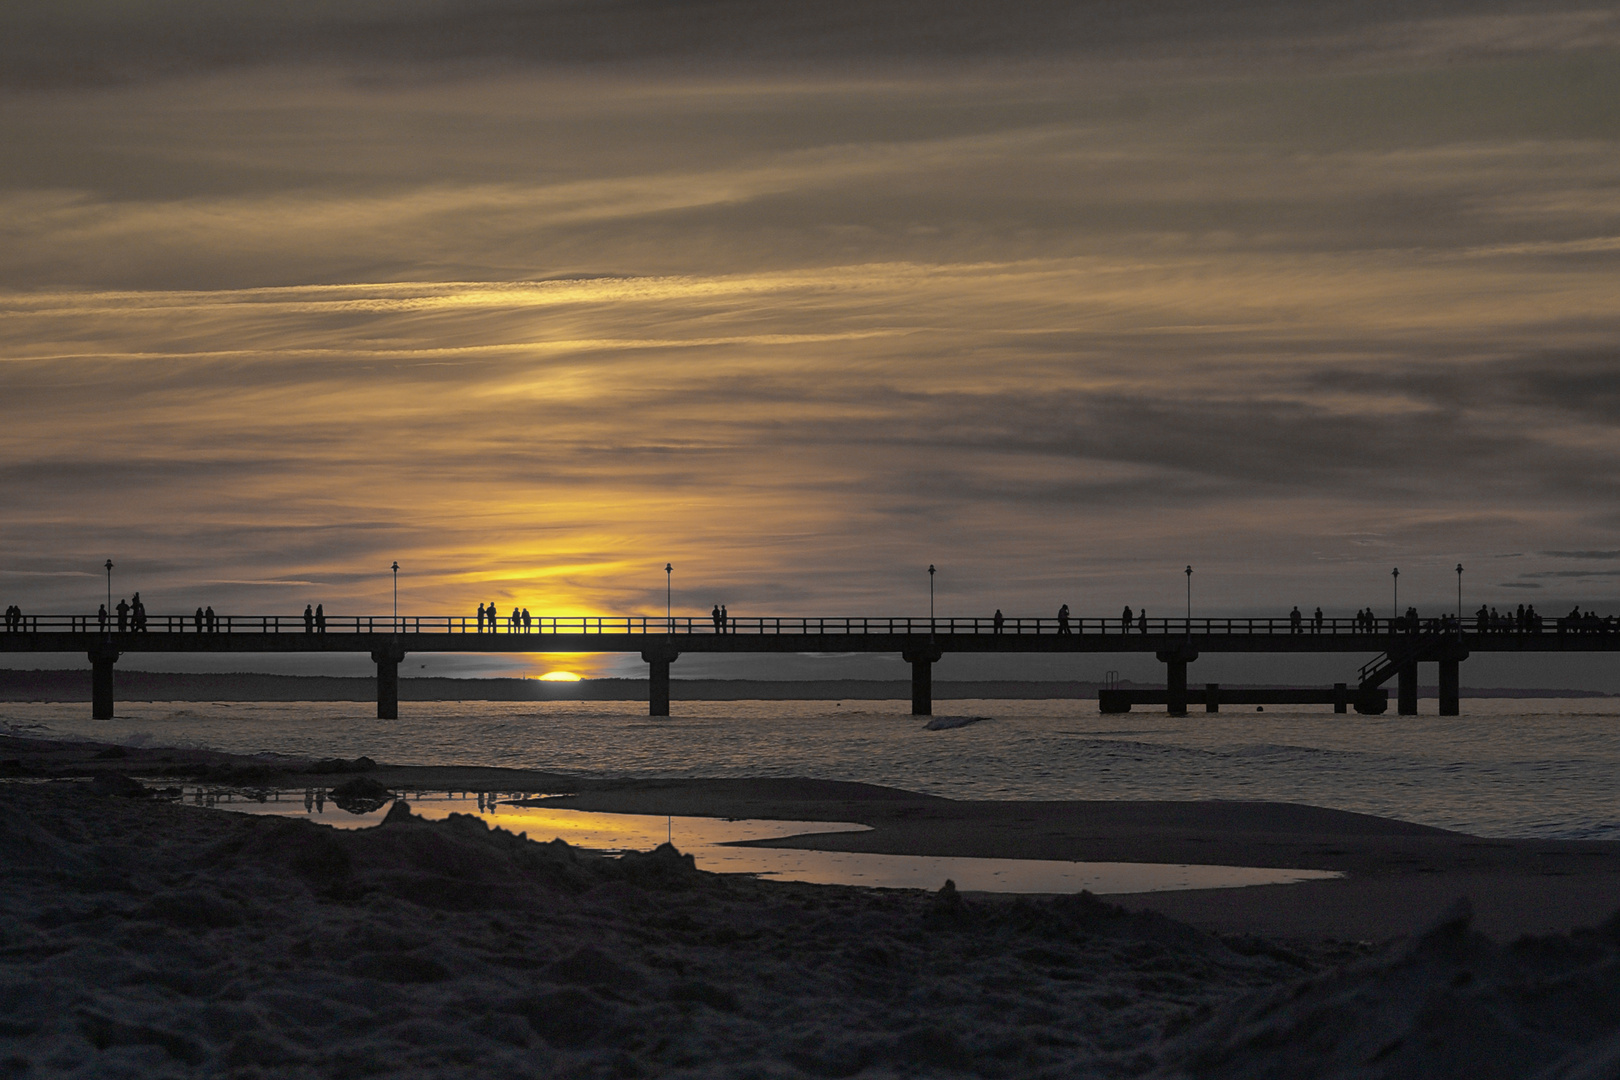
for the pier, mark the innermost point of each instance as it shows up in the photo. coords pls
(1398, 646)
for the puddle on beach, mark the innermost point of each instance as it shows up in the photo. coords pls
(706, 839)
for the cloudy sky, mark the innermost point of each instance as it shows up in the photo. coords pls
(535, 297)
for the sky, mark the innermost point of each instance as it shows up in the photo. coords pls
(537, 297)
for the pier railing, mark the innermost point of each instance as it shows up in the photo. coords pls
(817, 626)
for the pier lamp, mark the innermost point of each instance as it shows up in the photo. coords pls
(1188, 572)
(396, 594)
(669, 593)
(930, 596)
(1395, 612)
(109, 587)
(1459, 596)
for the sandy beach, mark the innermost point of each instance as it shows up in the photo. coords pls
(146, 938)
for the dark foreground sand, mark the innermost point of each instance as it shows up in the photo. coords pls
(143, 938)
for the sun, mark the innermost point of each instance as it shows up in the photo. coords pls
(559, 676)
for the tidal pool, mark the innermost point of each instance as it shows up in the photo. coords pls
(709, 841)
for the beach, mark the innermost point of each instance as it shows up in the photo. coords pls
(146, 938)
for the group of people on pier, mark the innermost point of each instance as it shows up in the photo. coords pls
(314, 619)
(131, 615)
(489, 617)
(722, 619)
(14, 619)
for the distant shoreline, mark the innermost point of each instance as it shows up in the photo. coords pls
(70, 685)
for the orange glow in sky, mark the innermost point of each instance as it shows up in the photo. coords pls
(1059, 327)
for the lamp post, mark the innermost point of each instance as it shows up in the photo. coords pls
(396, 595)
(669, 594)
(930, 598)
(1395, 611)
(1188, 572)
(1459, 596)
(109, 591)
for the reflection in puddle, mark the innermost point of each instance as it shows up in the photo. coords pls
(705, 839)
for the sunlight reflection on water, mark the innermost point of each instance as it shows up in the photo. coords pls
(704, 839)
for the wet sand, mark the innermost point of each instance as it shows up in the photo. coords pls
(1398, 875)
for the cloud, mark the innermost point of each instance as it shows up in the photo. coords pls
(1582, 554)
(91, 42)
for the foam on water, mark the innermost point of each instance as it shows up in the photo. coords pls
(1507, 767)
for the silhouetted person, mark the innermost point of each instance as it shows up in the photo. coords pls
(1316, 621)
(715, 615)
(999, 619)
(1125, 620)
(725, 620)
(526, 620)
(123, 614)
(309, 619)
(1141, 621)
(1294, 620)
(517, 620)
(1063, 619)
(320, 618)
(197, 619)
(480, 618)
(210, 619)
(494, 627)
(137, 613)
(102, 615)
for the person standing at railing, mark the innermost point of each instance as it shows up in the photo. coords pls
(1125, 620)
(123, 614)
(309, 619)
(1141, 621)
(480, 618)
(715, 615)
(210, 620)
(102, 616)
(526, 622)
(494, 614)
(999, 620)
(1063, 619)
(1295, 619)
(725, 620)
(1316, 621)
(320, 618)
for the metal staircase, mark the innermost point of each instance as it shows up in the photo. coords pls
(1415, 647)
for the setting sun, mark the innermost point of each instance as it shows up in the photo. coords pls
(559, 676)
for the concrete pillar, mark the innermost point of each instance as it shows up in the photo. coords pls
(1175, 663)
(1450, 687)
(658, 661)
(1341, 698)
(1406, 690)
(922, 662)
(1175, 685)
(388, 661)
(101, 683)
(1212, 697)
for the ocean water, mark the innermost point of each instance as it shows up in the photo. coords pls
(1506, 768)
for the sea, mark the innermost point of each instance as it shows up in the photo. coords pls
(1507, 767)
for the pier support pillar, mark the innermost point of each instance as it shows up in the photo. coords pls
(1406, 690)
(1450, 687)
(922, 662)
(101, 682)
(1175, 663)
(1212, 697)
(388, 661)
(658, 661)
(1341, 698)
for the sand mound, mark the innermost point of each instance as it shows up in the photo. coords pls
(143, 938)
(1452, 1003)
